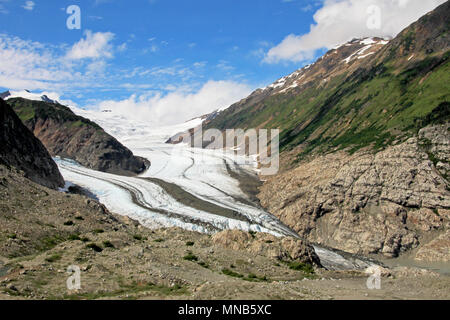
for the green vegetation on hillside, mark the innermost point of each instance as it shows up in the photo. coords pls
(29, 111)
(371, 102)
(372, 107)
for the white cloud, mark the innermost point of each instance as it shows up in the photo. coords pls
(339, 21)
(179, 105)
(123, 47)
(28, 64)
(29, 5)
(225, 66)
(152, 49)
(94, 46)
(200, 64)
(56, 96)
(32, 65)
(99, 2)
(163, 95)
(94, 17)
(96, 67)
(2, 7)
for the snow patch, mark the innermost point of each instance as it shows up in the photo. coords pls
(25, 94)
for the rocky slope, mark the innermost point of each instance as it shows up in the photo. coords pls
(70, 136)
(285, 249)
(365, 143)
(42, 232)
(385, 202)
(22, 150)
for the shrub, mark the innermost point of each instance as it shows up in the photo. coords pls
(53, 258)
(299, 266)
(203, 264)
(190, 257)
(94, 247)
(230, 273)
(74, 237)
(51, 242)
(190, 244)
(69, 223)
(108, 244)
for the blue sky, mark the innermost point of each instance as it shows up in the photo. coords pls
(157, 53)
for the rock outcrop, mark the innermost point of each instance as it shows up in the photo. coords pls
(70, 136)
(285, 249)
(437, 250)
(22, 150)
(367, 203)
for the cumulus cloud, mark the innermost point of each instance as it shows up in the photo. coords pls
(28, 64)
(161, 95)
(32, 65)
(93, 46)
(2, 7)
(29, 5)
(339, 21)
(180, 105)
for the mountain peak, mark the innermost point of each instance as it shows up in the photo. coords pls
(365, 92)
(5, 95)
(27, 94)
(343, 58)
(428, 36)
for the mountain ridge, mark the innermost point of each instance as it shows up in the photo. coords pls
(339, 102)
(364, 143)
(70, 136)
(22, 150)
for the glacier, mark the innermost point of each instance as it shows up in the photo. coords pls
(200, 173)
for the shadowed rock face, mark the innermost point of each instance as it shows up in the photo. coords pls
(368, 203)
(22, 150)
(70, 136)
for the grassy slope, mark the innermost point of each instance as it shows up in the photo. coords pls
(387, 100)
(30, 111)
(368, 108)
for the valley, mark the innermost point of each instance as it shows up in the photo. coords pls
(147, 210)
(209, 199)
(200, 174)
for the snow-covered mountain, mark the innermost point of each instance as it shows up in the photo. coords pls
(343, 58)
(26, 94)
